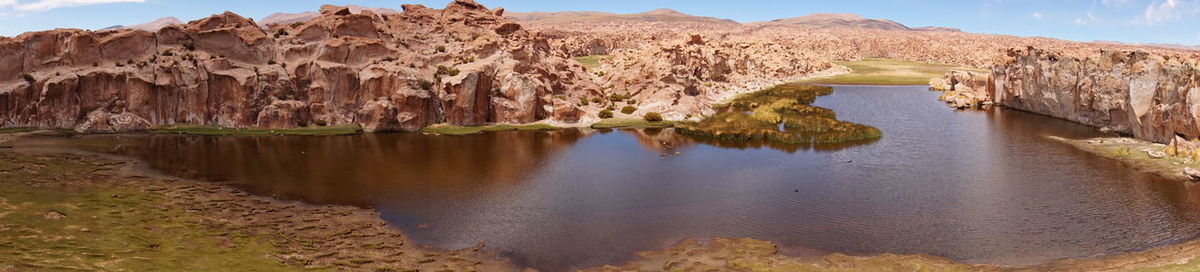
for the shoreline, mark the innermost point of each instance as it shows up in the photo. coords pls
(313, 236)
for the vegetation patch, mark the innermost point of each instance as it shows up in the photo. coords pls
(591, 62)
(16, 130)
(887, 72)
(780, 114)
(630, 123)
(84, 224)
(219, 131)
(444, 129)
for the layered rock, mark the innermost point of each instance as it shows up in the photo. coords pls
(1153, 96)
(463, 65)
(1150, 96)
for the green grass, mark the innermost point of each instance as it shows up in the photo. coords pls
(108, 227)
(444, 129)
(16, 130)
(217, 131)
(888, 72)
(629, 123)
(591, 62)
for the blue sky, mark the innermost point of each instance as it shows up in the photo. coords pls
(1136, 21)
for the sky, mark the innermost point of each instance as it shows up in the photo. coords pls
(1131, 21)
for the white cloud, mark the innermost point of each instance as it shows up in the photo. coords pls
(1167, 11)
(1088, 19)
(44, 5)
(1111, 3)
(1037, 15)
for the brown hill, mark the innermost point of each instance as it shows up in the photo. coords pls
(833, 20)
(658, 15)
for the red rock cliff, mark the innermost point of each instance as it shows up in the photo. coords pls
(463, 65)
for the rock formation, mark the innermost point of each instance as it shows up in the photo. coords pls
(461, 65)
(1153, 96)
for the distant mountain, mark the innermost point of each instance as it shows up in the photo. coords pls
(937, 28)
(155, 25)
(658, 15)
(828, 20)
(1160, 45)
(289, 18)
(151, 26)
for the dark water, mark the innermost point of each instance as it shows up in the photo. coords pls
(979, 187)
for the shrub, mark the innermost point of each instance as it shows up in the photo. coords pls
(271, 62)
(653, 117)
(597, 100)
(168, 53)
(28, 78)
(302, 124)
(189, 46)
(617, 97)
(297, 24)
(631, 101)
(628, 109)
(441, 49)
(280, 33)
(606, 114)
(320, 123)
(443, 70)
(583, 101)
(424, 85)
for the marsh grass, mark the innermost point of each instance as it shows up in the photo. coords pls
(591, 62)
(888, 72)
(16, 130)
(218, 131)
(100, 226)
(629, 123)
(780, 114)
(444, 129)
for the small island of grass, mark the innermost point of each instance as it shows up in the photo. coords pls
(780, 114)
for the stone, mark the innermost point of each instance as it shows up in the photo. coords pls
(1192, 173)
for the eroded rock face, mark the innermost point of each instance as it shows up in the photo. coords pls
(1153, 96)
(463, 65)
(1150, 96)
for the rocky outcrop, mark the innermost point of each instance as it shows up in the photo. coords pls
(463, 65)
(1153, 96)
(1149, 96)
(964, 89)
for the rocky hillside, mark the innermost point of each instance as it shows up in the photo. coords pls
(463, 65)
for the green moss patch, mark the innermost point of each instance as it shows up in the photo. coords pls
(629, 123)
(465, 130)
(16, 130)
(780, 114)
(218, 131)
(591, 62)
(887, 72)
(48, 224)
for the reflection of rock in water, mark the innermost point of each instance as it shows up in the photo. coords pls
(355, 169)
